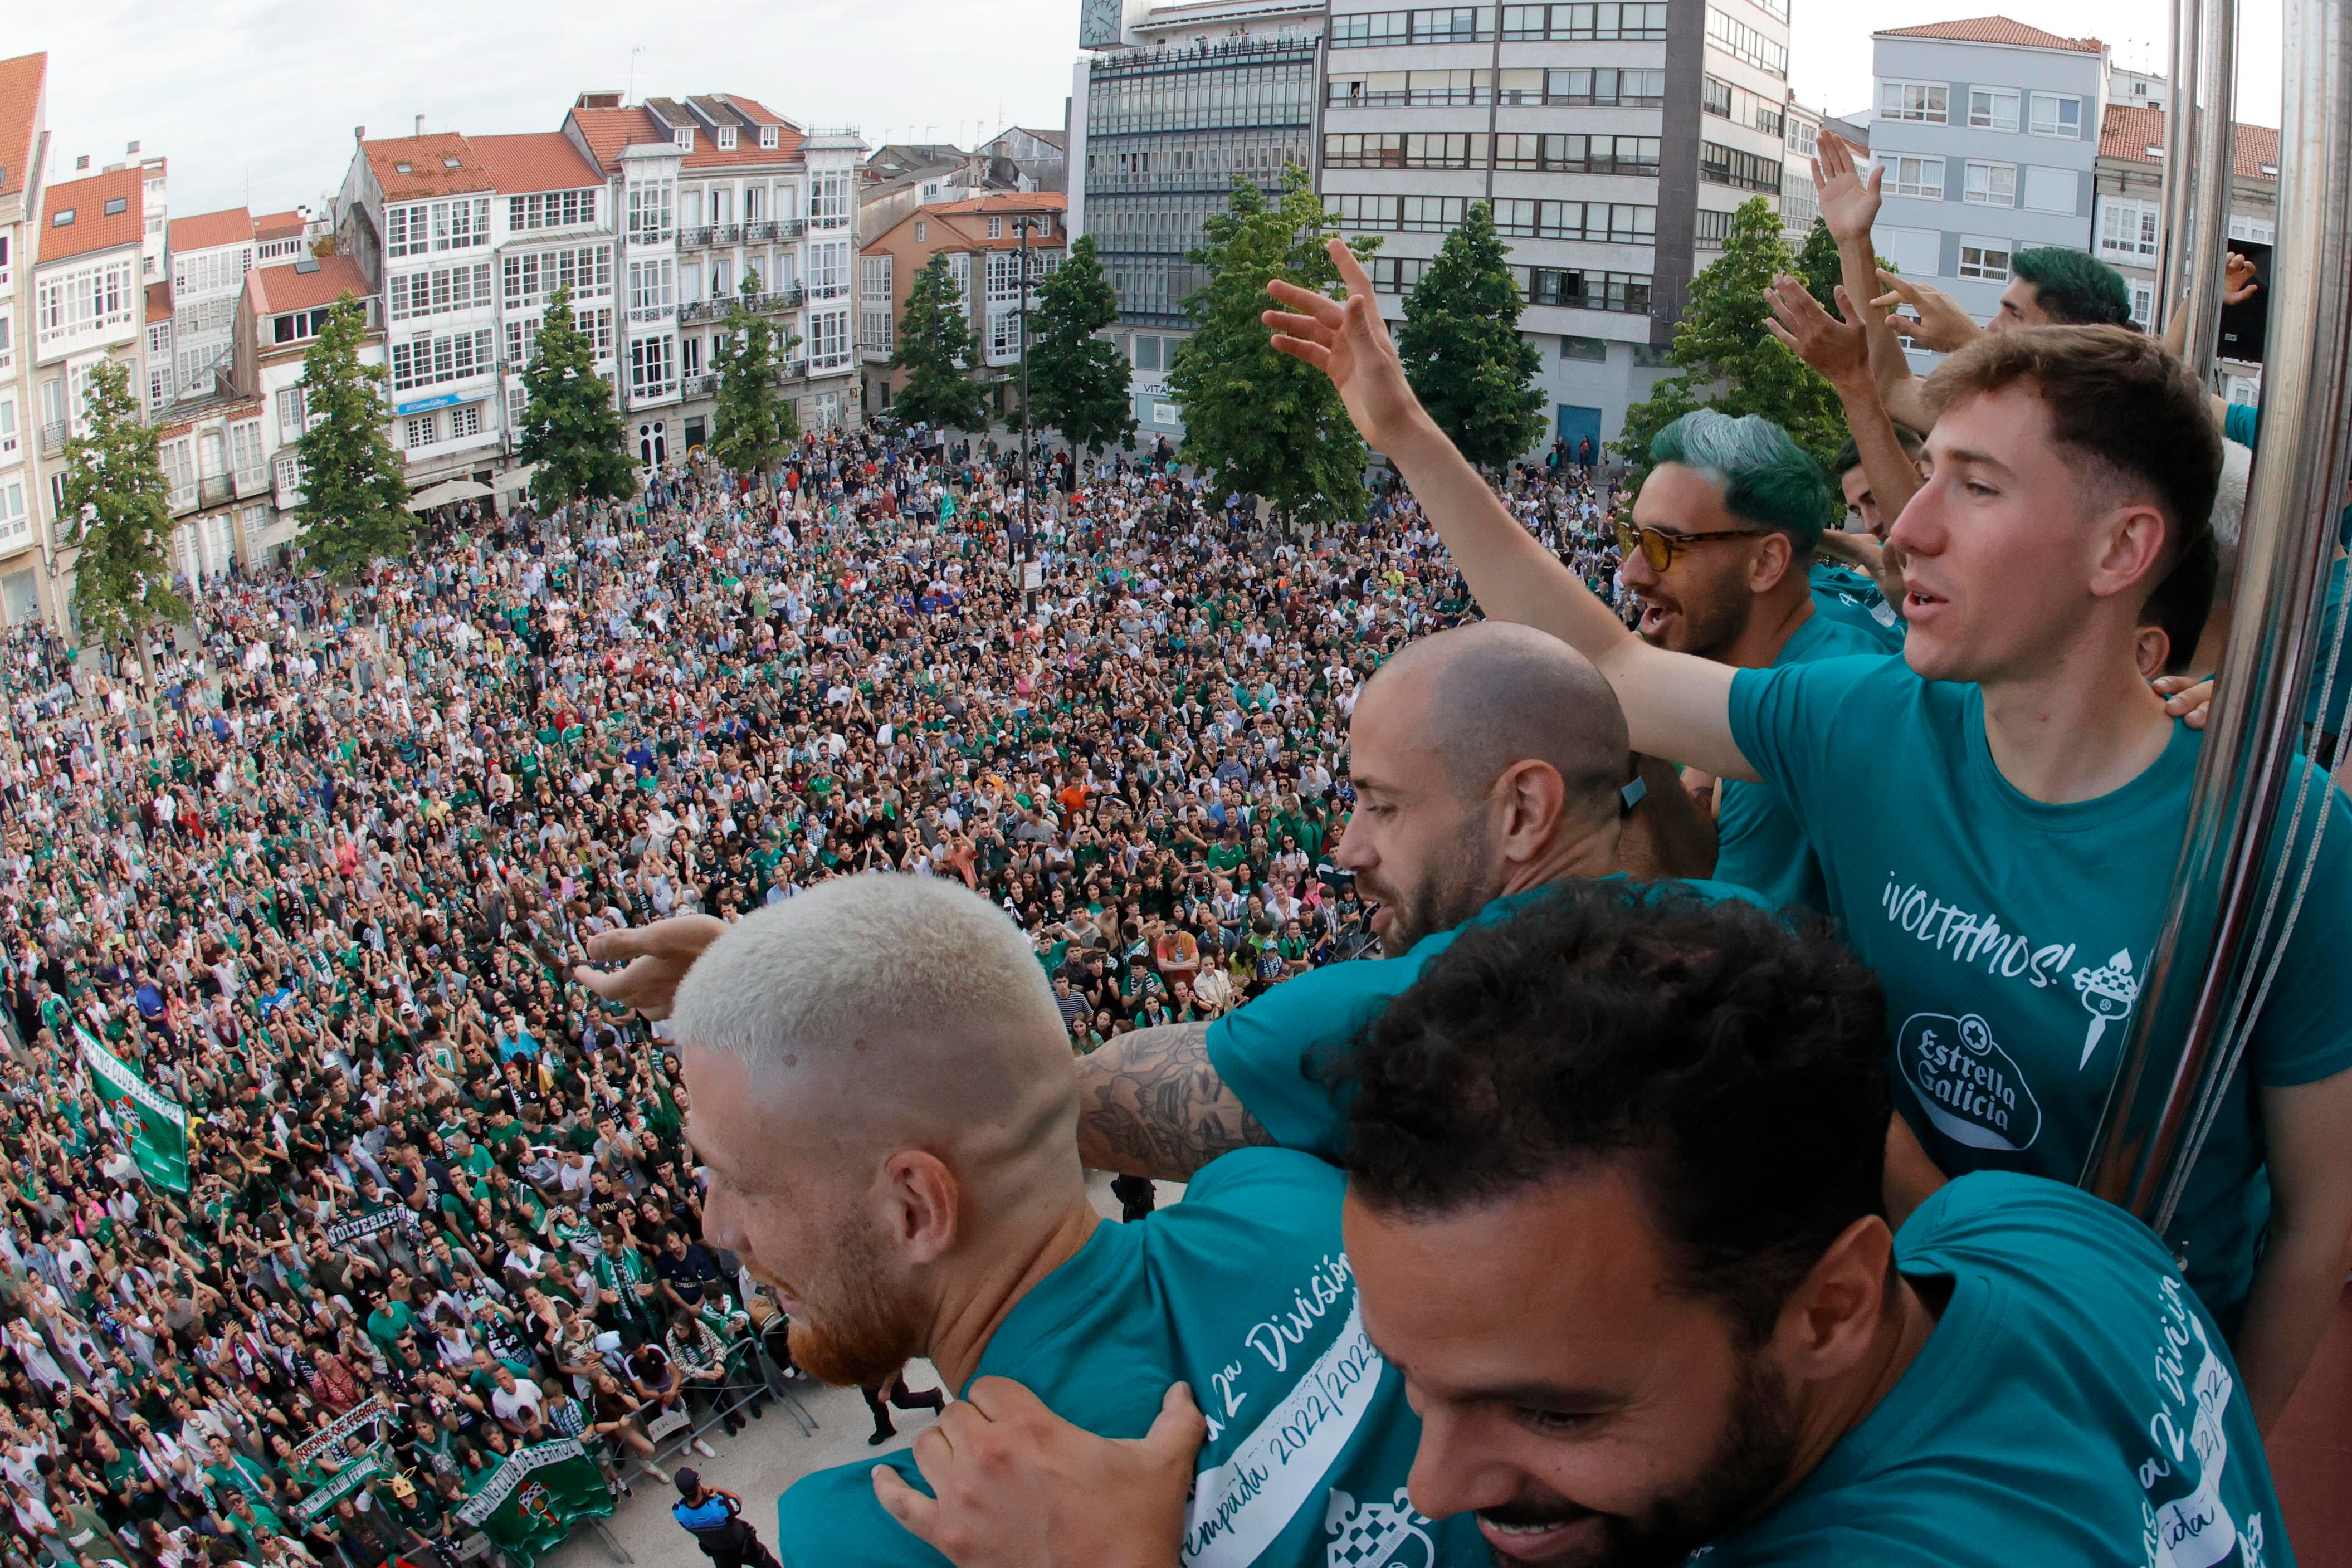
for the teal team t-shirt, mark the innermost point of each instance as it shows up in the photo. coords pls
(2011, 935)
(1851, 598)
(1243, 1291)
(1758, 843)
(1269, 1051)
(2074, 1404)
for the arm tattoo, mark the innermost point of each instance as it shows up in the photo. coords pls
(1150, 1104)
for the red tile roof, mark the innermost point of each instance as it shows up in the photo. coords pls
(159, 302)
(535, 161)
(275, 290)
(1995, 30)
(608, 130)
(409, 167)
(93, 229)
(2130, 129)
(278, 225)
(202, 231)
(22, 83)
(1004, 201)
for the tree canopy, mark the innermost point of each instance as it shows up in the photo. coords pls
(1462, 348)
(355, 488)
(119, 512)
(570, 427)
(754, 429)
(1077, 382)
(936, 350)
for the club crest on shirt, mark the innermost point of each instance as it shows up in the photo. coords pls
(1970, 1088)
(1377, 1534)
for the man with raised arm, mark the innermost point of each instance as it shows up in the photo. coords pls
(2007, 868)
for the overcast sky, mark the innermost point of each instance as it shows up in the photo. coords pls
(254, 100)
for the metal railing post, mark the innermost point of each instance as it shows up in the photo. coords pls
(2222, 930)
(2180, 165)
(2214, 181)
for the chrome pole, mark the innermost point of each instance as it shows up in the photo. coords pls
(2201, 262)
(2222, 929)
(2180, 168)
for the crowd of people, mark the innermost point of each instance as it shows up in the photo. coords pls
(328, 887)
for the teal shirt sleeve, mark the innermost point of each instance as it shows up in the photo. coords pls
(2304, 1033)
(2241, 424)
(831, 1520)
(1267, 1050)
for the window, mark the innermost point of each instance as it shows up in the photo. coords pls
(683, 137)
(9, 439)
(286, 473)
(1915, 177)
(1365, 29)
(300, 324)
(1523, 23)
(1990, 185)
(922, 231)
(15, 523)
(873, 276)
(1803, 137)
(2127, 229)
(1984, 259)
(1992, 109)
(726, 135)
(1926, 102)
(1744, 43)
(550, 210)
(1584, 291)
(1714, 228)
(8, 341)
(829, 201)
(1397, 274)
(465, 421)
(650, 367)
(829, 274)
(1004, 336)
(586, 271)
(769, 136)
(2259, 230)
(2052, 190)
(428, 360)
(996, 228)
(1148, 351)
(245, 453)
(1915, 252)
(1454, 24)
(652, 288)
(1577, 153)
(293, 405)
(1620, 222)
(2057, 114)
(1606, 85)
(651, 203)
(87, 299)
(1593, 351)
(1743, 170)
(423, 430)
(2143, 303)
(61, 217)
(828, 339)
(876, 332)
(420, 227)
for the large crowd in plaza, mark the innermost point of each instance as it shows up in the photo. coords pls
(625, 958)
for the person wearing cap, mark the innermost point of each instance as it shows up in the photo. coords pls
(714, 1517)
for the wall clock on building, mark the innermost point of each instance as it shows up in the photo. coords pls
(1099, 23)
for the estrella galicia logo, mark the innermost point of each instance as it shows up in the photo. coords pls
(1971, 1089)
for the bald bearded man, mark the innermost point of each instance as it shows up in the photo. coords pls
(1488, 762)
(882, 1092)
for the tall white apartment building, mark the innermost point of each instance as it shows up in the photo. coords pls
(1989, 131)
(1613, 138)
(210, 254)
(26, 592)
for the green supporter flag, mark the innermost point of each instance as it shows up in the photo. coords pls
(158, 1124)
(530, 1502)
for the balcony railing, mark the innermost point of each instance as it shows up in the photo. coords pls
(778, 300)
(726, 233)
(215, 488)
(702, 309)
(53, 439)
(698, 386)
(696, 239)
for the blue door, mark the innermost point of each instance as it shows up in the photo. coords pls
(1578, 423)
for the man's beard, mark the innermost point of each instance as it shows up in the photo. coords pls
(1708, 630)
(1750, 1463)
(1458, 884)
(865, 1335)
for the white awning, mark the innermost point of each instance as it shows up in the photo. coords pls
(446, 491)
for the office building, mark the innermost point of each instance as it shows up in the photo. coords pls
(1171, 103)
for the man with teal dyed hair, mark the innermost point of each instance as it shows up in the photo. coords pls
(2056, 286)
(1717, 552)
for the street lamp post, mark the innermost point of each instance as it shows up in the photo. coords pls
(1023, 225)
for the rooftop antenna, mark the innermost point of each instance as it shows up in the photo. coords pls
(631, 96)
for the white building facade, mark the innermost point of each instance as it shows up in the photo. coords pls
(1988, 132)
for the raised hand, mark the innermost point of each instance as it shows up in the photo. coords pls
(1347, 340)
(1838, 350)
(2238, 283)
(658, 957)
(1849, 201)
(1939, 323)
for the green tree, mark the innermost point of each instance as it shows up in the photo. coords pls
(1723, 357)
(355, 490)
(754, 428)
(118, 504)
(936, 349)
(1255, 419)
(1817, 264)
(1462, 350)
(1077, 382)
(571, 427)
